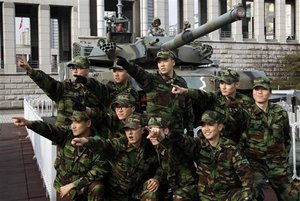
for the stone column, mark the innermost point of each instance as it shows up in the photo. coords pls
(44, 38)
(144, 17)
(84, 18)
(74, 25)
(280, 32)
(100, 19)
(236, 27)
(297, 29)
(9, 40)
(213, 12)
(259, 20)
(188, 11)
(161, 10)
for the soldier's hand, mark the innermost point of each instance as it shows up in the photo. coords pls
(79, 141)
(178, 90)
(121, 61)
(80, 79)
(153, 185)
(22, 63)
(64, 190)
(231, 102)
(20, 121)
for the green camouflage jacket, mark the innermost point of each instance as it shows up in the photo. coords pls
(177, 109)
(179, 169)
(78, 165)
(219, 169)
(267, 136)
(115, 126)
(235, 121)
(131, 167)
(116, 88)
(64, 93)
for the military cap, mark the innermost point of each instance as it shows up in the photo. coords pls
(262, 82)
(123, 99)
(80, 61)
(134, 121)
(116, 66)
(164, 54)
(211, 117)
(229, 76)
(156, 121)
(79, 116)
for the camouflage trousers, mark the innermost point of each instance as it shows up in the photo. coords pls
(140, 193)
(92, 192)
(236, 194)
(285, 189)
(187, 193)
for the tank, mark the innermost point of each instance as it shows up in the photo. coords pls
(143, 50)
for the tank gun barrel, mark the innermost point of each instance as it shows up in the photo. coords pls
(188, 36)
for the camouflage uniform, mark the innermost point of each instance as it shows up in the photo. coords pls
(224, 173)
(116, 88)
(155, 30)
(266, 144)
(235, 117)
(64, 93)
(84, 168)
(131, 167)
(112, 122)
(177, 109)
(179, 170)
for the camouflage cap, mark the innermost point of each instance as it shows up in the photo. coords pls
(134, 121)
(79, 116)
(211, 117)
(229, 76)
(164, 54)
(80, 61)
(156, 121)
(262, 82)
(123, 99)
(116, 66)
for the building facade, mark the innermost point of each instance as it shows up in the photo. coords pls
(270, 30)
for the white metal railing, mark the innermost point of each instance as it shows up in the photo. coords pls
(294, 119)
(45, 152)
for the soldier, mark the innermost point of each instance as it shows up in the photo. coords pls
(67, 93)
(157, 86)
(186, 25)
(122, 83)
(223, 172)
(155, 30)
(133, 161)
(226, 101)
(266, 142)
(123, 106)
(80, 172)
(180, 172)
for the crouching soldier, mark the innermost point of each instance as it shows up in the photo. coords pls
(133, 161)
(178, 168)
(79, 170)
(223, 172)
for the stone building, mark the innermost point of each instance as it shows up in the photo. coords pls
(270, 30)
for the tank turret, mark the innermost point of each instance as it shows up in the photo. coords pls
(143, 51)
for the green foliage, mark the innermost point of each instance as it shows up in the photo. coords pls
(290, 83)
(292, 63)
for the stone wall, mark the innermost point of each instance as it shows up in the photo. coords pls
(13, 88)
(267, 56)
